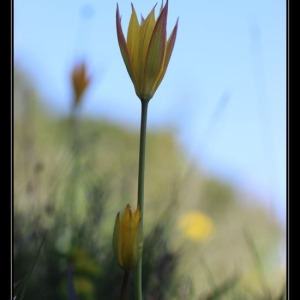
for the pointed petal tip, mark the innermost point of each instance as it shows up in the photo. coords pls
(118, 14)
(166, 5)
(164, 10)
(174, 31)
(176, 24)
(132, 8)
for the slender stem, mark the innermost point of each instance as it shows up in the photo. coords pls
(142, 153)
(124, 285)
(140, 200)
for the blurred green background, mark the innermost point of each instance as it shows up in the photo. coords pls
(73, 175)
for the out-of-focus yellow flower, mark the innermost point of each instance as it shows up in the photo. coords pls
(128, 238)
(196, 226)
(146, 52)
(80, 81)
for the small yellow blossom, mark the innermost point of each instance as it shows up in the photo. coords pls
(146, 52)
(80, 81)
(128, 238)
(196, 226)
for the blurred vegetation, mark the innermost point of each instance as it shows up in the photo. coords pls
(72, 176)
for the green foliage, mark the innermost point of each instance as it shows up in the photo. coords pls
(72, 176)
(20, 288)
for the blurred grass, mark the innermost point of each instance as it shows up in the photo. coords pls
(20, 287)
(72, 193)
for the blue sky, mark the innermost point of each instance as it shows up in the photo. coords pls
(224, 91)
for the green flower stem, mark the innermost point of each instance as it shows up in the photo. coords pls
(124, 285)
(142, 157)
(140, 201)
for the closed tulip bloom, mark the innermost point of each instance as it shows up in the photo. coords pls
(128, 238)
(146, 52)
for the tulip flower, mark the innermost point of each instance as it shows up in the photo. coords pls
(128, 238)
(146, 52)
(80, 82)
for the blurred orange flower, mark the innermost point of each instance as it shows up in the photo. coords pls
(80, 81)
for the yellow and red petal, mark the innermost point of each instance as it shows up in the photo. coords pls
(156, 50)
(146, 30)
(132, 42)
(123, 46)
(168, 53)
